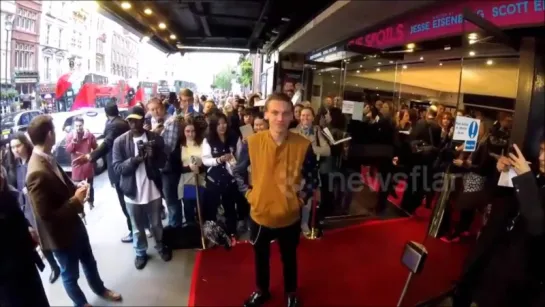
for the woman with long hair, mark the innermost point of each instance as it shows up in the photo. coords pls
(218, 154)
(21, 150)
(192, 179)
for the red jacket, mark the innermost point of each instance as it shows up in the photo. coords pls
(76, 148)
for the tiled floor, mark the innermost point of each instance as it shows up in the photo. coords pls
(158, 284)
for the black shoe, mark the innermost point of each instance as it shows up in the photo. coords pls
(293, 301)
(54, 275)
(140, 262)
(257, 299)
(166, 254)
(127, 238)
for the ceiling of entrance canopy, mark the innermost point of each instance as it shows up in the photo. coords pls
(207, 25)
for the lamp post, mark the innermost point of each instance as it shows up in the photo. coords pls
(7, 25)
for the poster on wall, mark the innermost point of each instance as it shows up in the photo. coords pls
(292, 81)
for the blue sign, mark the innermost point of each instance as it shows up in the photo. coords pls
(473, 130)
(470, 145)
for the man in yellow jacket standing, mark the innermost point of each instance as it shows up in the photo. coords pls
(283, 174)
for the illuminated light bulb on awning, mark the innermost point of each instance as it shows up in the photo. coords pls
(148, 11)
(357, 71)
(472, 41)
(162, 25)
(440, 64)
(473, 36)
(472, 53)
(145, 39)
(172, 36)
(404, 66)
(125, 5)
(489, 62)
(411, 46)
(378, 69)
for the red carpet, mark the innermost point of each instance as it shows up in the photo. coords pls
(357, 266)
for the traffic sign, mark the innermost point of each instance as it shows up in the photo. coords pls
(467, 129)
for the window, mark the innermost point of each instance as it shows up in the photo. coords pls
(26, 20)
(47, 68)
(24, 56)
(47, 34)
(60, 35)
(59, 68)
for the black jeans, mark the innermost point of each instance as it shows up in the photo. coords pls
(51, 260)
(226, 196)
(190, 207)
(121, 199)
(288, 240)
(23, 288)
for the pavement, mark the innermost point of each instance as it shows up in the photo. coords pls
(158, 284)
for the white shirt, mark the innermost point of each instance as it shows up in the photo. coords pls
(196, 107)
(146, 190)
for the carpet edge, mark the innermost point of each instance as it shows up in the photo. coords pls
(194, 278)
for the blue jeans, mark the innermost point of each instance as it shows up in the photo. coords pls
(69, 260)
(140, 215)
(174, 205)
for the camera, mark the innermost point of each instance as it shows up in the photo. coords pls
(142, 147)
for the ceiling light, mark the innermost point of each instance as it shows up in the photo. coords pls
(357, 71)
(410, 50)
(421, 58)
(411, 46)
(376, 88)
(472, 53)
(440, 64)
(489, 62)
(357, 85)
(162, 25)
(378, 69)
(180, 46)
(379, 63)
(148, 11)
(334, 82)
(172, 36)
(125, 5)
(145, 39)
(472, 41)
(473, 36)
(361, 66)
(447, 48)
(404, 66)
(391, 62)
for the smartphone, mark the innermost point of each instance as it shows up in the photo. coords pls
(147, 121)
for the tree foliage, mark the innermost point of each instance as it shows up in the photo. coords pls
(245, 73)
(223, 79)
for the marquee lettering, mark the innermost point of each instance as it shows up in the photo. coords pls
(387, 36)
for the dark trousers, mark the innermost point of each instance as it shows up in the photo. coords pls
(69, 260)
(326, 197)
(123, 205)
(170, 192)
(190, 207)
(51, 260)
(226, 196)
(464, 223)
(24, 288)
(419, 179)
(288, 240)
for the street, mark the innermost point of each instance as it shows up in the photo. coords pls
(158, 284)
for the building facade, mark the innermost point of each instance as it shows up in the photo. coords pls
(7, 15)
(53, 49)
(81, 44)
(25, 47)
(123, 52)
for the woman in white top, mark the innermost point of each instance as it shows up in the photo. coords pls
(320, 146)
(191, 139)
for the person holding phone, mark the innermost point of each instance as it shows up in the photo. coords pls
(57, 203)
(506, 268)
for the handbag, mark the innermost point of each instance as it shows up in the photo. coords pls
(422, 147)
(473, 182)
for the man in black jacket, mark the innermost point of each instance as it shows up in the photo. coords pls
(20, 282)
(115, 126)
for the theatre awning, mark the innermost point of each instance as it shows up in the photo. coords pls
(209, 25)
(344, 19)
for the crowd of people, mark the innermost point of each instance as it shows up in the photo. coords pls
(255, 169)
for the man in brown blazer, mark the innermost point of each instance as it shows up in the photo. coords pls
(56, 203)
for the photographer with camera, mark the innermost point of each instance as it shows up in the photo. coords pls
(138, 156)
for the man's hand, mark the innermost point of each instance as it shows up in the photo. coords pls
(34, 235)
(147, 127)
(159, 129)
(138, 159)
(395, 161)
(226, 157)
(148, 151)
(82, 159)
(81, 193)
(458, 162)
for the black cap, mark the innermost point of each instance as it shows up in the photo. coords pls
(136, 113)
(111, 109)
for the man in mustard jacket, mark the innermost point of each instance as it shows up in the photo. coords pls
(275, 201)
